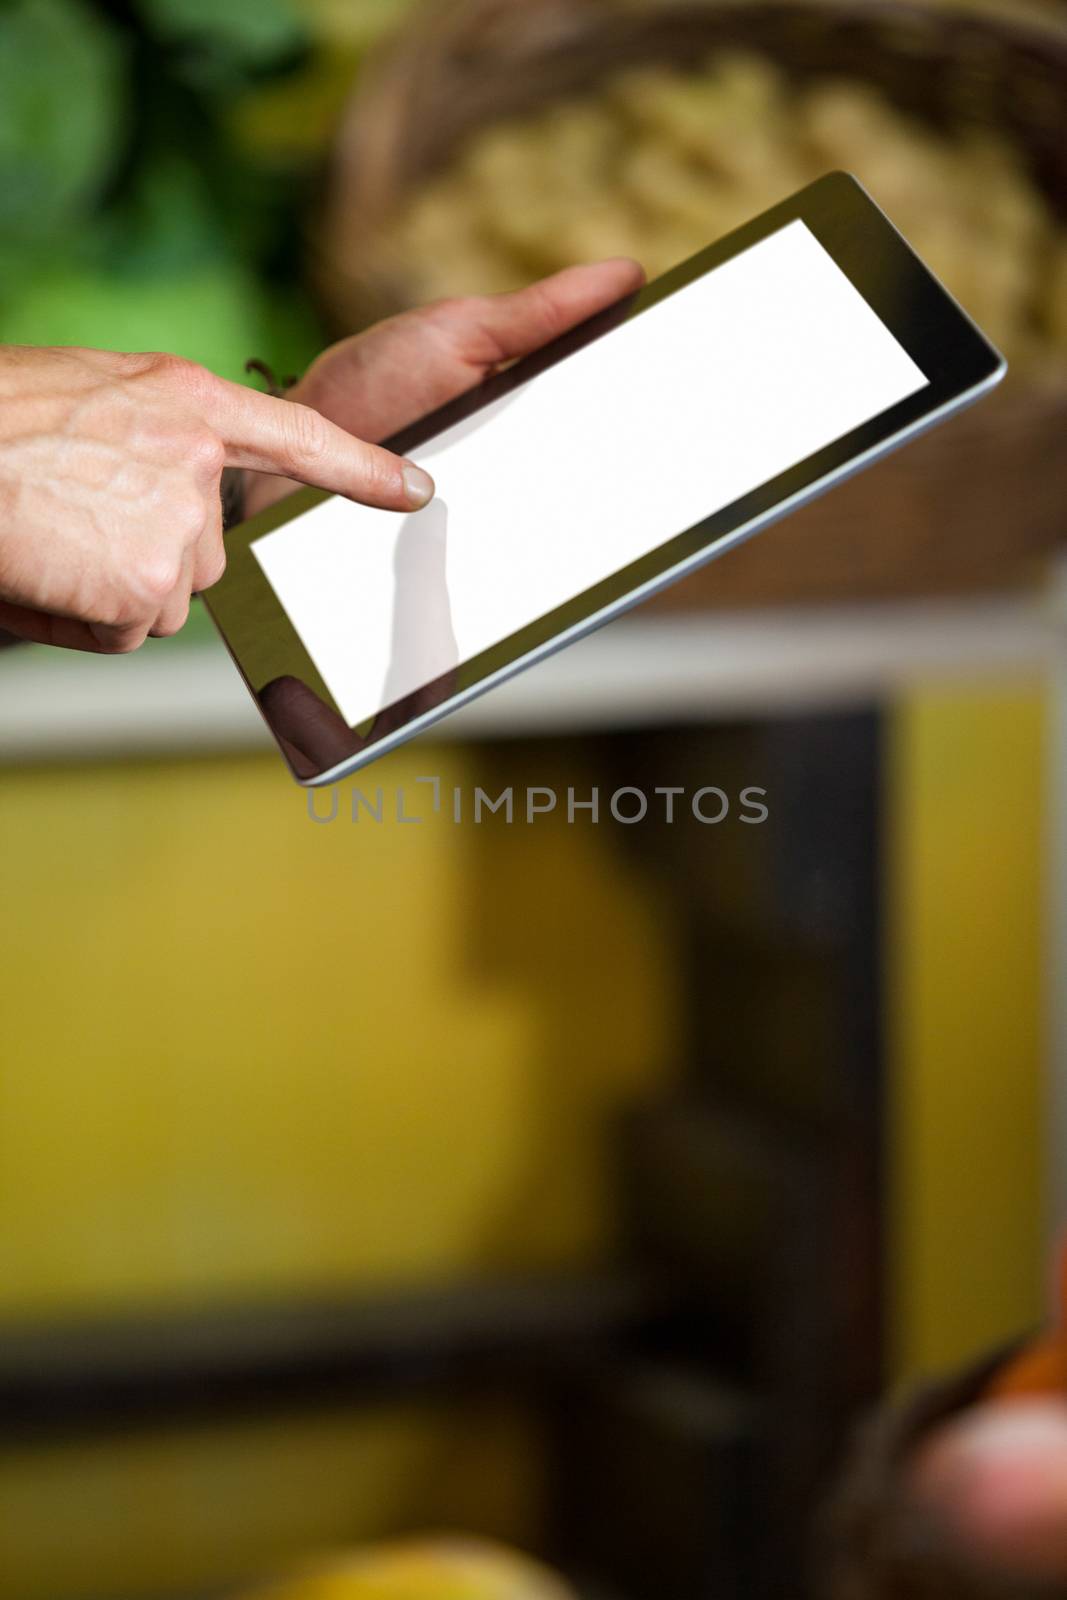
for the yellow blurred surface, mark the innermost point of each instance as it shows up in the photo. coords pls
(432, 1569)
(188, 1509)
(240, 1035)
(253, 1054)
(247, 1054)
(966, 954)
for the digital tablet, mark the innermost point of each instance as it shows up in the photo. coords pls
(575, 484)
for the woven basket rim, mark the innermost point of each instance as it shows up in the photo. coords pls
(408, 59)
(377, 171)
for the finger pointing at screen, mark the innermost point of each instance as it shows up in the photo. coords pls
(110, 468)
(110, 464)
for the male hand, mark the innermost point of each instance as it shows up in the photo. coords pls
(110, 464)
(960, 1491)
(379, 381)
(110, 514)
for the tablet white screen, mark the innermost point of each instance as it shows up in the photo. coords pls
(590, 465)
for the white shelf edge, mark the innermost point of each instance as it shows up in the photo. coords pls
(639, 671)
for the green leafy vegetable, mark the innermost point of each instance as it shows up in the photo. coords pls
(62, 116)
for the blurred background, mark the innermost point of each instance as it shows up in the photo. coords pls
(574, 1187)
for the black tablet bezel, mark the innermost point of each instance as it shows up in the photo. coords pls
(938, 335)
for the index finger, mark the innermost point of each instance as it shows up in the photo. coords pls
(294, 441)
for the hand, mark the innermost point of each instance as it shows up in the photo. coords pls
(312, 735)
(994, 1475)
(378, 382)
(110, 514)
(995, 1479)
(960, 1489)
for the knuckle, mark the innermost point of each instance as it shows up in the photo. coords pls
(381, 474)
(160, 363)
(456, 315)
(134, 363)
(210, 567)
(120, 635)
(186, 515)
(171, 623)
(188, 378)
(124, 644)
(454, 307)
(155, 575)
(207, 454)
(308, 437)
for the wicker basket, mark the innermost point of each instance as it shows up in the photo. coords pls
(975, 506)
